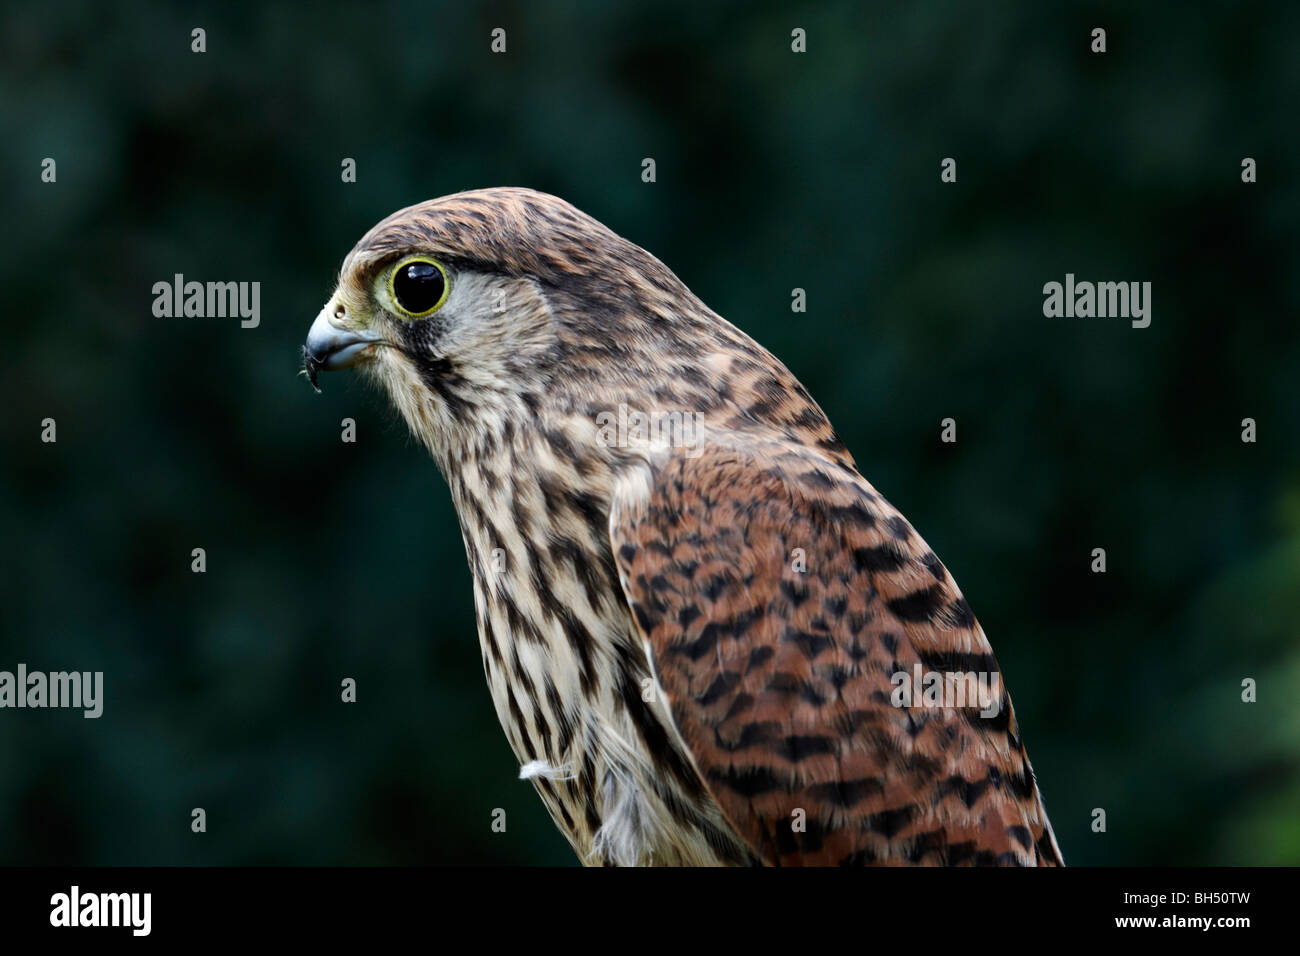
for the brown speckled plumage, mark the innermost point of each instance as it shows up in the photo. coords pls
(691, 643)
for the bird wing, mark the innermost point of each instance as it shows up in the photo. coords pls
(777, 595)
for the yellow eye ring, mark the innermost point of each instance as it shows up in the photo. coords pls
(418, 286)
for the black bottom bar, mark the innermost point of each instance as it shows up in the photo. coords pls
(896, 907)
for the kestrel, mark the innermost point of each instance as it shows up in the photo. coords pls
(701, 626)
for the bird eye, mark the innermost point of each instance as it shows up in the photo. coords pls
(419, 287)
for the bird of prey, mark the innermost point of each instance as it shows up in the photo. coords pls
(699, 623)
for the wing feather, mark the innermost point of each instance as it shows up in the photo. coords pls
(779, 594)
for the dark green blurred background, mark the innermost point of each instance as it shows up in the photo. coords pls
(775, 170)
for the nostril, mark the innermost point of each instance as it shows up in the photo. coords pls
(339, 312)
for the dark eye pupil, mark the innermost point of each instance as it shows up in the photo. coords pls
(418, 287)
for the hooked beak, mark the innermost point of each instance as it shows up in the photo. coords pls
(331, 347)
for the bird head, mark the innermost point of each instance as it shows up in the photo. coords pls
(488, 310)
(495, 299)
